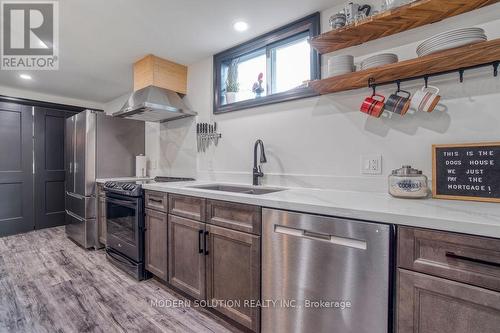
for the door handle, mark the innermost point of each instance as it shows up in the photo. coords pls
(337, 240)
(200, 236)
(474, 260)
(205, 246)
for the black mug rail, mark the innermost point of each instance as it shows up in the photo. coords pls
(373, 84)
(474, 260)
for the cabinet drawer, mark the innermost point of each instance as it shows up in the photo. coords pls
(156, 200)
(470, 259)
(428, 304)
(188, 207)
(235, 216)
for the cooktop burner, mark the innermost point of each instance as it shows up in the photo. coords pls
(134, 188)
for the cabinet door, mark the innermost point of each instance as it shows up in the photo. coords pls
(186, 256)
(156, 243)
(101, 219)
(428, 304)
(233, 274)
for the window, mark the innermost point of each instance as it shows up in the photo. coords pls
(268, 69)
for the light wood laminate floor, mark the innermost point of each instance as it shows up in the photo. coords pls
(49, 284)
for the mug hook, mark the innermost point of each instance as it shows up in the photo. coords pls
(372, 85)
(461, 73)
(426, 80)
(398, 82)
(495, 68)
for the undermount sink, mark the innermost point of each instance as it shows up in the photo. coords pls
(238, 189)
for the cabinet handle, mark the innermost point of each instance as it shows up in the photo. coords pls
(205, 243)
(156, 200)
(200, 236)
(474, 260)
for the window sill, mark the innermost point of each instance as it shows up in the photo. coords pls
(266, 100)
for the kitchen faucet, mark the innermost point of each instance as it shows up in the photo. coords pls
(257, 171)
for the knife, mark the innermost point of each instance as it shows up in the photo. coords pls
(205, 129)
(198, 143)
(202, 137)
(211, 136)
(216, 134)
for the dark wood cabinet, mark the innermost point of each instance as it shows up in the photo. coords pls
(447, 282)
(187, 256)
(156, 243)
(235, 216)
(233, 274)
(470, 259)
(428, 304)
(213, 251)
(189, 207)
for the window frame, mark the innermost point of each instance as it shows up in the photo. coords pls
(309, 24)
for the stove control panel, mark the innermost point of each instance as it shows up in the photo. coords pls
(129, 189)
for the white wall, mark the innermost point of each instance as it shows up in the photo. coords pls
(317, 142)
(20, 93)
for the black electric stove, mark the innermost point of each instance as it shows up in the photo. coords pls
(125, 224)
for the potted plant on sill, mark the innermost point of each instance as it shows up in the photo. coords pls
(232, 85)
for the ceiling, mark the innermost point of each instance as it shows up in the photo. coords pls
(99, 40)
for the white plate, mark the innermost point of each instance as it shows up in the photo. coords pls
(448, 39)
(457, 31)
(451, 46)
(462, 41)
(381, 56)
(451, 41)
(454, 33)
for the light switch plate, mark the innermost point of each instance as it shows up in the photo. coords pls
(371, 164)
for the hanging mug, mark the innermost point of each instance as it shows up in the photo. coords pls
(398, 104)
(425, 99)
(373, 106)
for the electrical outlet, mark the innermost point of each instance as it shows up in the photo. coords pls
(371, 164)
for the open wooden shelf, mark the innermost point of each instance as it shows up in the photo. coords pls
(449, 60)
(391, 22)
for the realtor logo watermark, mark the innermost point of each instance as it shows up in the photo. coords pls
(30, 35)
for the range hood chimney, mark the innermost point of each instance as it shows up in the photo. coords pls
(158, 84)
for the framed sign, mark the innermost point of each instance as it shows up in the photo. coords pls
(466, 171)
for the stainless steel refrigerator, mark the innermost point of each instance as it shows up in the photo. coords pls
(96, 146)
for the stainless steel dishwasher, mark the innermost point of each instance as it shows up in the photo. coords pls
(324, 274)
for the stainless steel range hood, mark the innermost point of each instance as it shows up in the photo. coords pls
(154, 104)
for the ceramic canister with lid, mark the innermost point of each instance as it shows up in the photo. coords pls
(407, 182)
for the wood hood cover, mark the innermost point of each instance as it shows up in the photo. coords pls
(157, 85)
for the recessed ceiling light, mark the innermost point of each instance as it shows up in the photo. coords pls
(25, 76)
(240, 26)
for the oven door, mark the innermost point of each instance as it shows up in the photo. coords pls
(123, 221)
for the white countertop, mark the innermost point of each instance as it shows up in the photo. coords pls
(475, 218)
(121, 179)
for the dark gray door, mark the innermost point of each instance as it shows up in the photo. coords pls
(50, 126)
(16, 169)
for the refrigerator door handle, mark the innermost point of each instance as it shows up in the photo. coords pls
(76, 217)
(74, 195)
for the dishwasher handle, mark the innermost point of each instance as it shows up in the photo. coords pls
(337, 240)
